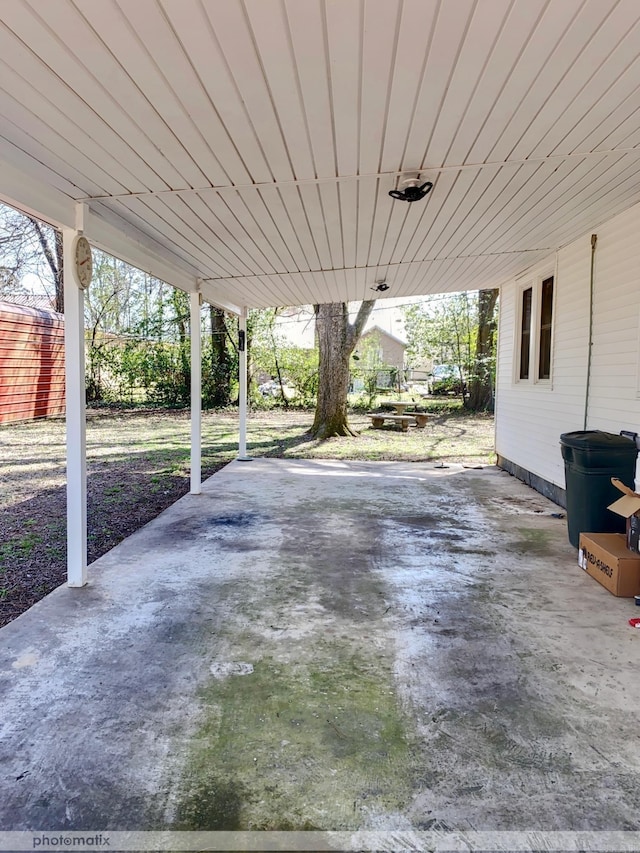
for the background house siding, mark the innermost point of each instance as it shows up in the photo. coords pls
(391, 350)
(31, 363)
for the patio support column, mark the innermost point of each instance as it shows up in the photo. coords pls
(75, 418)
(196, 394)
(242, 383)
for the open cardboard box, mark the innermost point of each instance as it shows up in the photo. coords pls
(607, 559)
(628, 506)
(606, 556)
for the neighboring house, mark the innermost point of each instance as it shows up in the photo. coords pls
(376, 349)
(550, 380)
(379, 355)
(390, 350)
(31, 363)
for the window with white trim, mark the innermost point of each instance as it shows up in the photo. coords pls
(535, 330)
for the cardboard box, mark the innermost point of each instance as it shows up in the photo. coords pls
(606, 558)
(628, 506)
(633, 533)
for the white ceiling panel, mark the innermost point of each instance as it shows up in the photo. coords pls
(445, 45)
(482, 30)
(482, 114)
(253, 143)
(414, 37)
(554, 50)
(599, 78)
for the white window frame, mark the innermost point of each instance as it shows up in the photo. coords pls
(534, 281)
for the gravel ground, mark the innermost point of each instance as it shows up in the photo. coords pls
(138, 465)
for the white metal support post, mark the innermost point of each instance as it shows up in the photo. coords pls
(242, 382)
(196, 395)
(75, 418)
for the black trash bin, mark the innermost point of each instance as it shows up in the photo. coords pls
(591, 459)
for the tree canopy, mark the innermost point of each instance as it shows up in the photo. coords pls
(457, 329)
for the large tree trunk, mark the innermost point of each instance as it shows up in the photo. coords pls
(220, 363)
(59, 272)
(481, 385)
(336, 340)
(181, 308)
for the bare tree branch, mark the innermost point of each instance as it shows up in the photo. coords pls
(54, 261)
(355, 329)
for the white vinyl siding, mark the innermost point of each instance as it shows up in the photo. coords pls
(531, 415)
(614, 403)
(530, 419)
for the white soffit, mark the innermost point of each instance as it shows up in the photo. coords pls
(251, 144)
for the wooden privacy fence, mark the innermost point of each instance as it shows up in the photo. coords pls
(31, 363)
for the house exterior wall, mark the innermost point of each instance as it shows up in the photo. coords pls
(31, 363)
(530, 416)
(391, 351)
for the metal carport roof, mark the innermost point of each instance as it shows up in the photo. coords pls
(249, 145)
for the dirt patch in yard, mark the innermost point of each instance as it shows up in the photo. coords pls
(138, 465)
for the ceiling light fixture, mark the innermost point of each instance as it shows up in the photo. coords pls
(381, 286)
(412, 189)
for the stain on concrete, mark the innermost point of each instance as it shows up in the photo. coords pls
(425, 522)
(238, 519)
(531, 541)
(342, 550)
(308, 744)
(214, 804)
(315, 737)
(226, 526)
(26, 659)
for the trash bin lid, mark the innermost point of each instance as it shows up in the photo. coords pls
(595, 439)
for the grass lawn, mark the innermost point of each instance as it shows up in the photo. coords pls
(451, 436)
(138, 464)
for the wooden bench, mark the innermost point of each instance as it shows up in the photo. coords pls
(422, 419)
(378, 419)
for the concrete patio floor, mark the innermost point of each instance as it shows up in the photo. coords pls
(328, 645)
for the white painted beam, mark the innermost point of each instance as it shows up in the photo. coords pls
(196, 395)
(118, 237)
(31, 191)
(103, 228)
(209, 293)
(76, 419)
(242, 382)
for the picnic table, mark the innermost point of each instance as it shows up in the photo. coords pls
(419, 419)
(400, 406)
